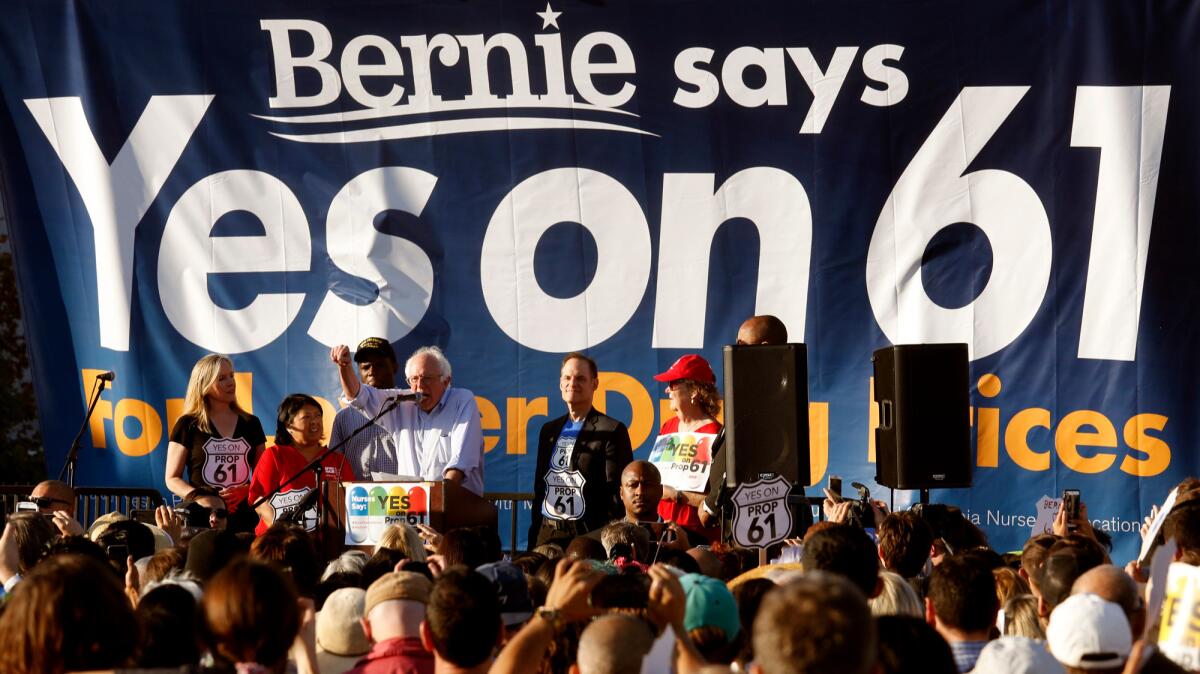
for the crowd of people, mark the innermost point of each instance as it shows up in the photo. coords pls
(910, 591)
(627, 569)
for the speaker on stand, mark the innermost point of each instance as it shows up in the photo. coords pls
(766, 418)
(923, 440)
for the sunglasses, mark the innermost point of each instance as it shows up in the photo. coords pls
(44, 502)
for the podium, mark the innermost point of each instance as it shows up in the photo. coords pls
(373, 506)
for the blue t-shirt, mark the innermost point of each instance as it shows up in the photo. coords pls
(564, 447)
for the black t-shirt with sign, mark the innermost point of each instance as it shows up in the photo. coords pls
(222, 462)
(219, 462)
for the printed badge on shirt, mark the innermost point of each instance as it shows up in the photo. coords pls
(564, 495)
(564, 448)
(285, 504)
(226, 462)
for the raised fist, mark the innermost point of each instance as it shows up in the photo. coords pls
(340, 355)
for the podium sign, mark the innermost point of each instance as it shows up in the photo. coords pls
(357, 513)
(371, 508)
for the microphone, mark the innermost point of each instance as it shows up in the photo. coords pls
(107, 376)
(412, 396)
(295, 514)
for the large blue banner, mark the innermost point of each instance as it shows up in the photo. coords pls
(516, 180)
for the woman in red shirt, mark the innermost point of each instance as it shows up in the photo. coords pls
(692, 390)
(297, 442)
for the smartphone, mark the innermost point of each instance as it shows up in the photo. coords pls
(143, 516)
(117, 553)
(835, 486)
(1070, 503)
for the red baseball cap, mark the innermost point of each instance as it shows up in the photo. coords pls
(692, 366)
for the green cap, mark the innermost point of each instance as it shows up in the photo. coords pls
(709, 604)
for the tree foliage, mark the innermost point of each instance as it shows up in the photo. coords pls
(21, 455)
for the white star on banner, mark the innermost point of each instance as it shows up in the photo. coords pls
(549, 17)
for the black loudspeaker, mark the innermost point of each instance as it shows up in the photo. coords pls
(766, 413)
(924, 437)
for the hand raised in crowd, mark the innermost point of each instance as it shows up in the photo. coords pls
(169, 521)
(667, 601)
(831, 500)
(436, 564)
(1083, 525)
(1137, 572)
(667, 605)
(1145, 528)
(133, 583)
(340, 355)
(570, 593)
(839, 512)
(66, 524)
(880, 510)
(678, 539)
(429, 537)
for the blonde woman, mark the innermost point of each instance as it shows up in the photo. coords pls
(1020, 617)
(897, 598)
(405, 538)
(217, 441)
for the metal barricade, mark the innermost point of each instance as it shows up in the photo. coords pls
(91, 502)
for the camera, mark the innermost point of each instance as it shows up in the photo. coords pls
(861, 513)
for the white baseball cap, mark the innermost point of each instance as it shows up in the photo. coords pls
(1089, 633)
(1016, 655)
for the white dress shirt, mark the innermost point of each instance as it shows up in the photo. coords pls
(430, 443)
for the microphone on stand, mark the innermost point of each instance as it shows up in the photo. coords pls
(394, 401)
(295, 514)
(107, 376)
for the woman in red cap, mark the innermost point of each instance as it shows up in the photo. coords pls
(692, 390)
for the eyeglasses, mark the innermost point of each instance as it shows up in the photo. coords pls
(429, 378)
(44, 502)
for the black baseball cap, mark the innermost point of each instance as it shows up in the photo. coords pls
(374, 347)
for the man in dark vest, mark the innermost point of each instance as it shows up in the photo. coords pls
(580, 457)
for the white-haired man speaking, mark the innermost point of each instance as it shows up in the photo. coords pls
(438, 437)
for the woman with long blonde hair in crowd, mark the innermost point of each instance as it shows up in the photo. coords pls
(217, 441)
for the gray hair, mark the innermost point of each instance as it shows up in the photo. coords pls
(616, 533)
(433, 352)
(350, 561)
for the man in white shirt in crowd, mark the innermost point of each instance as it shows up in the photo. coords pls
(437, 438)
